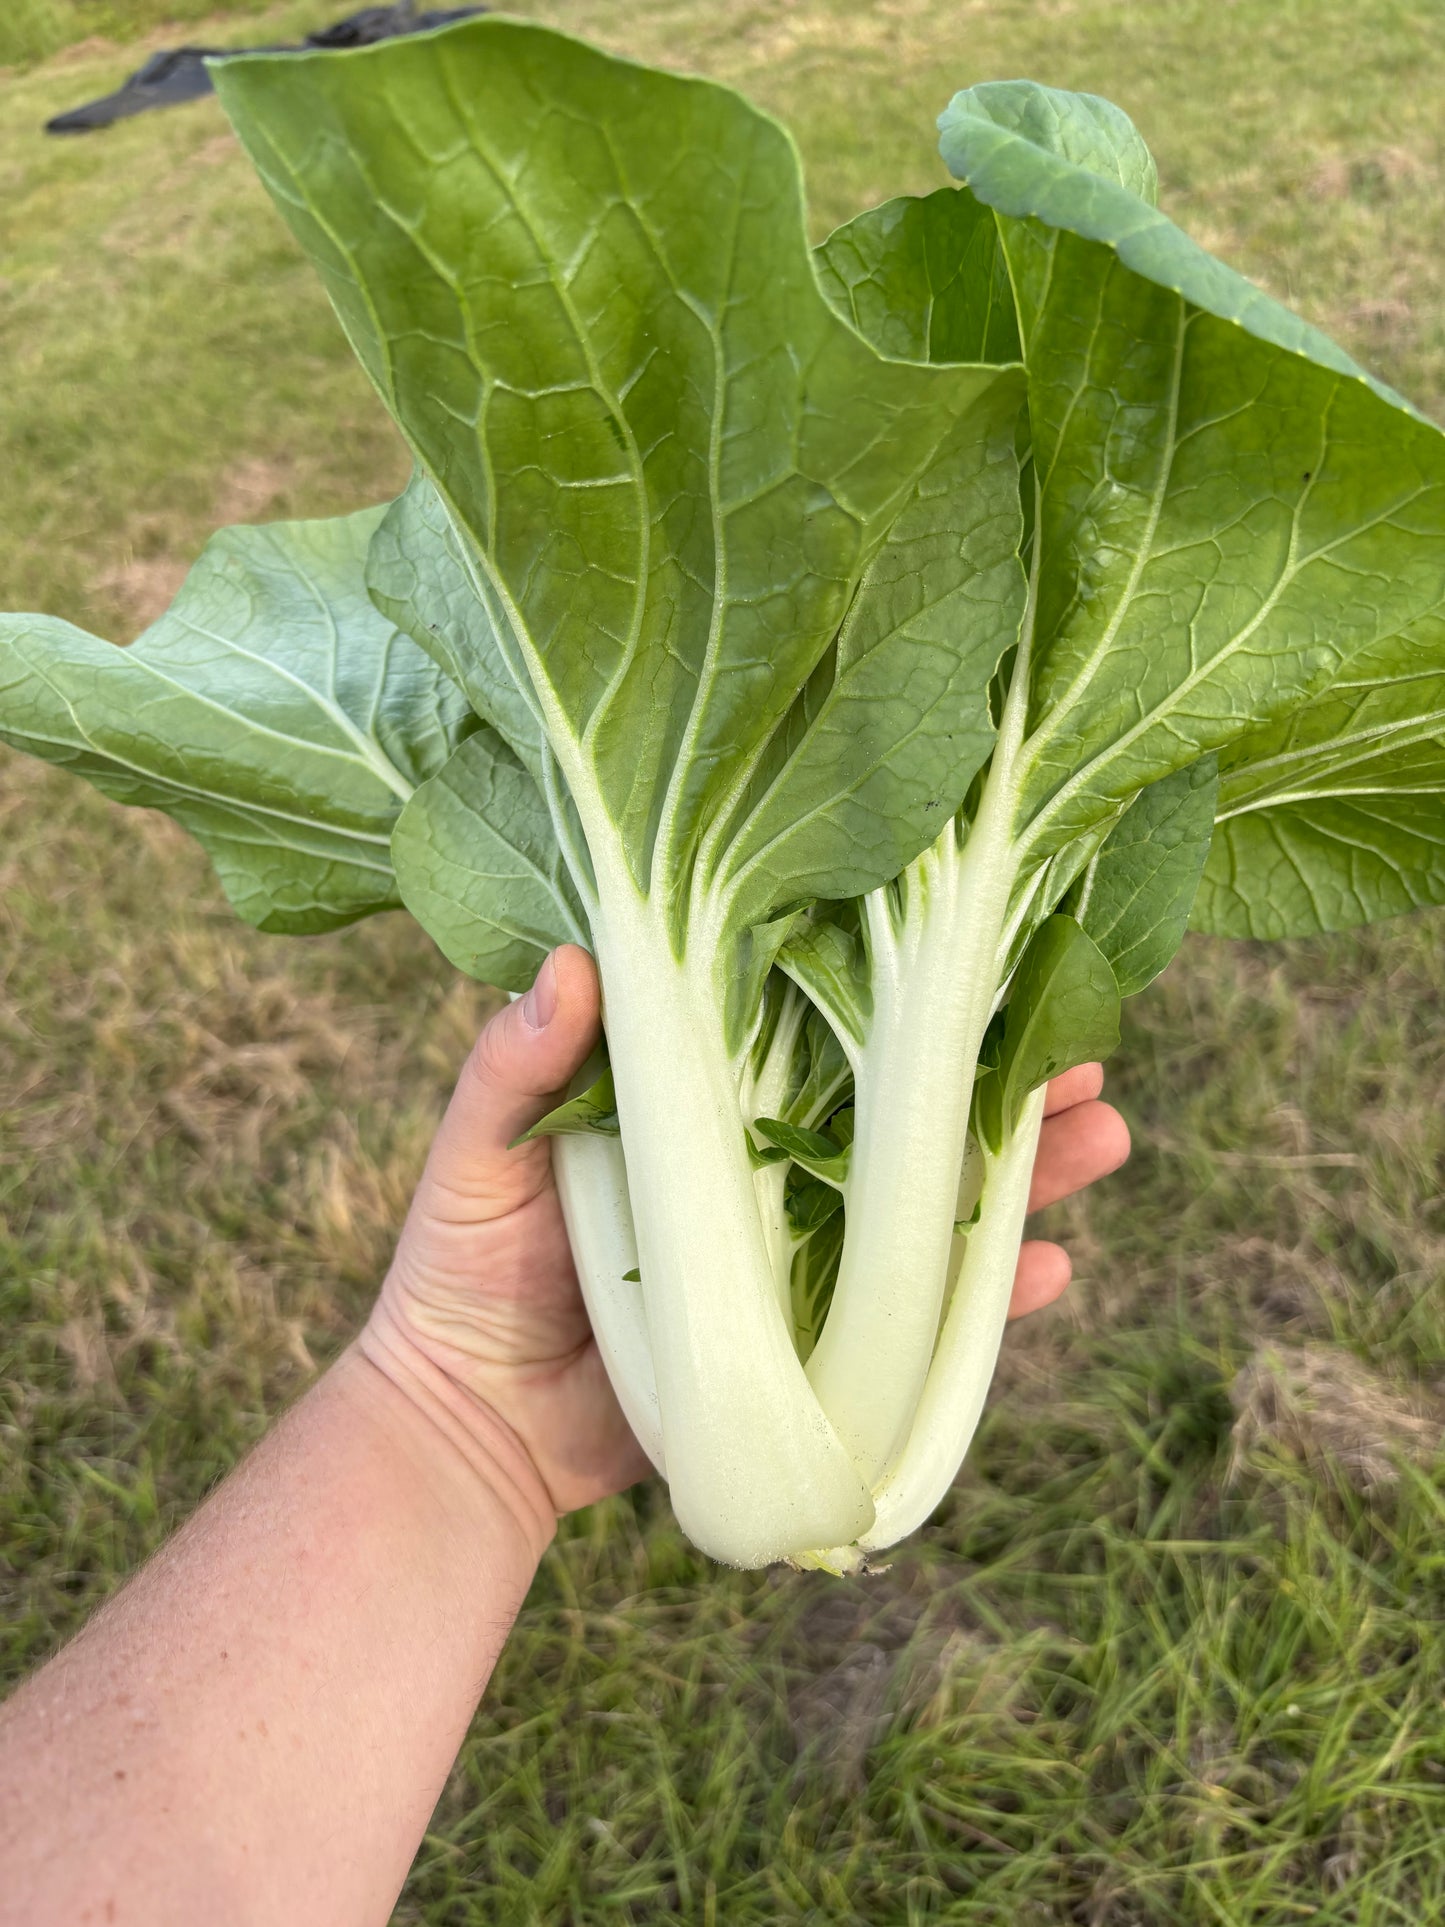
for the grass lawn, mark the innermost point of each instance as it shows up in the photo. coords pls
(1174, 1652)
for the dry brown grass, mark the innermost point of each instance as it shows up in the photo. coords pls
(1318, 1408)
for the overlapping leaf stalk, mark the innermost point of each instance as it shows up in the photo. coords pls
(854, 649)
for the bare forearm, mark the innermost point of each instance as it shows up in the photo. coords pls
(257, 1729)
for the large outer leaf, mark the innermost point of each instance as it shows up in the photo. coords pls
(685, 477)
(1076, 163)
(1361, 833)
(1334, 818)
(272, 711)
(1231, 514)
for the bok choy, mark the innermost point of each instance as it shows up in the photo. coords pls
(875, 654)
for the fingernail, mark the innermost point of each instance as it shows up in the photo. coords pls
(539, 1006)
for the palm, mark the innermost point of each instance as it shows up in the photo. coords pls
(495, 1303)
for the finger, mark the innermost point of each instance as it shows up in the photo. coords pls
(1076, 1148)
(517, 1070)
(1042, 1275)
(1073, 1087)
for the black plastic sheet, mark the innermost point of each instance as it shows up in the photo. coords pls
(180, 73)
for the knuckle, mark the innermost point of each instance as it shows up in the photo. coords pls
(487, 1059)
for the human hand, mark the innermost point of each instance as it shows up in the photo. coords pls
(483, 1292)
(482, 1286)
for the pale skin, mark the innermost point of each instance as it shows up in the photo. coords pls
(257, 1728)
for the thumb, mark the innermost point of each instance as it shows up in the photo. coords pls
(516, 1073)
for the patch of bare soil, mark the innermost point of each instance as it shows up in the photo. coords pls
(1319, 1404)
(142, 588)
(256, 490)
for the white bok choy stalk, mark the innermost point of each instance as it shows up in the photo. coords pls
(796, 1074)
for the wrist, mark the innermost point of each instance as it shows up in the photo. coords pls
(469, 1442)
